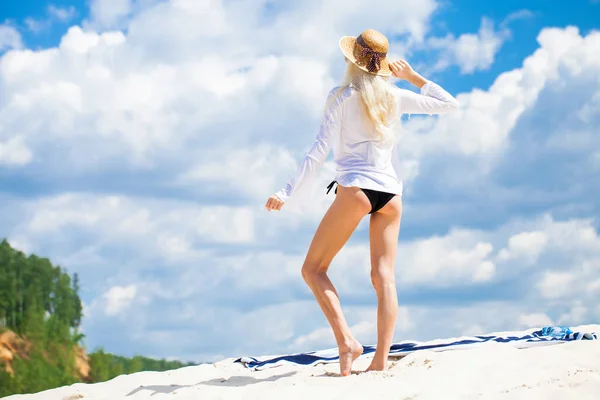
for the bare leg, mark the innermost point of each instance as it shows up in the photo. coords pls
(342, 218)
(384, 231)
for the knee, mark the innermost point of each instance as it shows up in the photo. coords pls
(306, 273)
(382, 277)
(310, 271)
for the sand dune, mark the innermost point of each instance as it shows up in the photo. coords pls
(492, 371)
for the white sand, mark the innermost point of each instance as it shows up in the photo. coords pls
(493, 371)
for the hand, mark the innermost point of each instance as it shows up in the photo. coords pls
(274, 203)
(401, 69)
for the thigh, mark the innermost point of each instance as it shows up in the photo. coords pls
(383, 233)
(338, 224)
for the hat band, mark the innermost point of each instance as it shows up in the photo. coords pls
(375, 57)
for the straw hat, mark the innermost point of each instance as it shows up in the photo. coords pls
(368, 51)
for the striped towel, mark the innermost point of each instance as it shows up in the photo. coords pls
(546, 336)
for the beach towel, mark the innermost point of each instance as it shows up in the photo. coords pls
(548, 335)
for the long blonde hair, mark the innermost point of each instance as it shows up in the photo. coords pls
(378, 101)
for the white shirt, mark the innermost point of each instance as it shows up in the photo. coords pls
(361, 158)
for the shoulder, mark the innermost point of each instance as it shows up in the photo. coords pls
(333, 91)
(337, 90)
(339, 94)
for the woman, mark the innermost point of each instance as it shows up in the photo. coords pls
(359, 124)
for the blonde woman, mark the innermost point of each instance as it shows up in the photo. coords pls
(359, 124)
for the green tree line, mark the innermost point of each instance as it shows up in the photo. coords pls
(40, 302)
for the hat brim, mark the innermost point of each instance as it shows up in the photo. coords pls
(347, 44)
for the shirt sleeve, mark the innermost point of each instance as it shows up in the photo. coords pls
(432, 100)
(316, 155)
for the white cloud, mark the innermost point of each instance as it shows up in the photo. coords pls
(170, 84)
(14, 152)
(536, 320)
(477, 136)
(211, 109)
(21, 244)
(62, 13)
(440, 261)
(590, 109)
(470, 52)
(251, 171)
(554, 251)
(556, 284)
(485, 272)
(109, 13)
(55, 14)
(118, 298)
(575, 316)
(199, 288)
(527, 245)
(37, 25)
(10, 38)
(515, 16)
(173, 230)
(321, 335)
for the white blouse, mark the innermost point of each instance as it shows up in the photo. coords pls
(361, 158)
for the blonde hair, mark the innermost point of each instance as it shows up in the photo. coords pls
(377, 99)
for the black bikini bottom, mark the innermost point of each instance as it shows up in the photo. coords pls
(377, 198)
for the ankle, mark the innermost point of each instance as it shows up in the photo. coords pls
(379, 361)
(348, 344)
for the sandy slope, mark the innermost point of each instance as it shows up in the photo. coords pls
(494, 371)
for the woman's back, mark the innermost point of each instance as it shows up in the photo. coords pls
(359, 124)
(359, 152)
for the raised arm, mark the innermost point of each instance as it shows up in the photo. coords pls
(433, 98)
(314, 158)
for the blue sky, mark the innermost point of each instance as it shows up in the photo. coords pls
(140, 139)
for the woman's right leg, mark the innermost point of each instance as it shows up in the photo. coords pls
(342, 218)
(384, 231)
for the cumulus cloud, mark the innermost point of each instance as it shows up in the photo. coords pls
(55, 14)
(527, 245)
(485, 150)
(159, 140)
(470, 51)
(527, 321)
(108, 13)
(118, 298)
(170, 85)
(10, 38)
(14, 152)
(122, 218)
(448, 260)
(62, 13)
(139, 256)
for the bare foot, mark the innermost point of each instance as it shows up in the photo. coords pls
(347, 355)
(377, 366)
